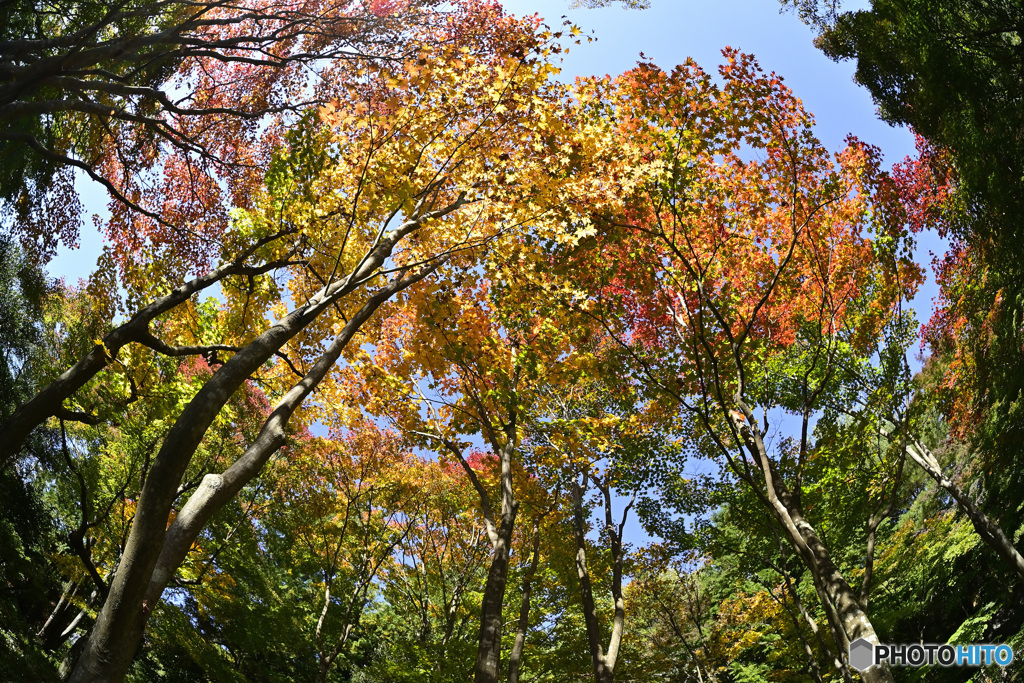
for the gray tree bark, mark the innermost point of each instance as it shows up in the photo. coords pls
(115, 636)
(515, 657)
(47, 402)
(989, 531)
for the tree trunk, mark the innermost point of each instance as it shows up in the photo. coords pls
(989, 531)
(326, 660)
(488, 658)
(321, 670)
(848, 617)
(853, 621)
(618, 557)
(601, 672)
(516, 656)
(217, 489)
(121, 621)
(603, 662)
(62, 620)
(118, 628)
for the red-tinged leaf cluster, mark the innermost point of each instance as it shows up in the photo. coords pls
(195, 368)
(234, 102)
(327, 473)
(456, 121)
(738, 229)
(961, 330)
(927, 188)
(480, 460)
(969, 308)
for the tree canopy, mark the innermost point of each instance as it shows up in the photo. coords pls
(397, 341)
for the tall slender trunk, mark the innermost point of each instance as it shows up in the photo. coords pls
(601, 675)
(64, 618)
(324, 656)
(516, 655)
(321, 670)
(842, 605)
(603, 662)
(989, 531)
(451, 616)
(488, 658)
(488, 661)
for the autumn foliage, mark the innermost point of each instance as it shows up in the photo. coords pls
(397, 341)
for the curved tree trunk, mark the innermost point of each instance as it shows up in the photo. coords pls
(989, 531)
(847, 615)
(118, 629)
(49, 400)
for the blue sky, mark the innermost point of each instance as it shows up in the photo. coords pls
(669, 32)
(672, 30)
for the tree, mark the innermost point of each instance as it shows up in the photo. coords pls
(674, 611)
(94, 483)
(432, 592)
(602, 660)
(484, 380)
(599, 436)
(541, 524)
(28, 530)
(115, 89)
(558, 297)
(746, 277)
(896, 405)
(407, 169)
(950, 71)
(349, 505)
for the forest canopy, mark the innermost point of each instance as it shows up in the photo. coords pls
(397, 338)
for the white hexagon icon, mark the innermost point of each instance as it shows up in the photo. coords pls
(862, 654)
